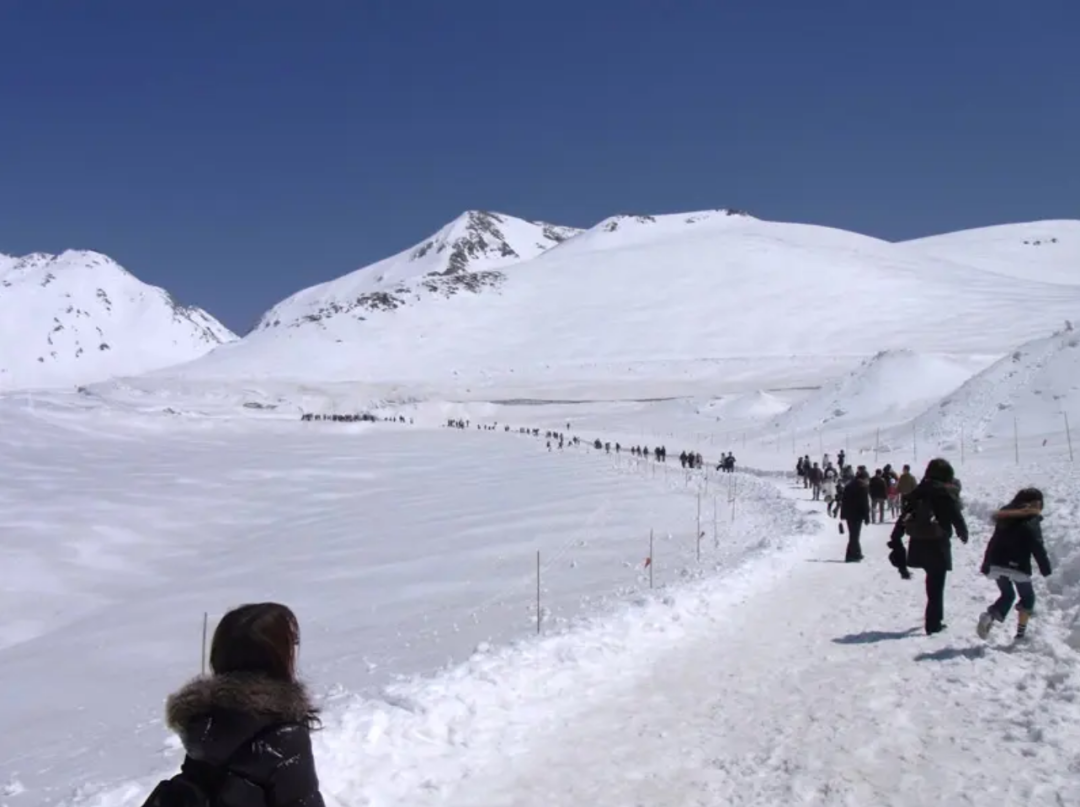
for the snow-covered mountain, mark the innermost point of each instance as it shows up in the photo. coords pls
(1043, 251)
(717, 300)
(462, 256)
(80, 317)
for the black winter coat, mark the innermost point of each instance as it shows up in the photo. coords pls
(259, 724)
(855, 502)
(1017, 538)
(933, 555)
(879, 488)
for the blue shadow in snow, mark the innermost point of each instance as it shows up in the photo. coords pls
(951, 653)
(874, 636)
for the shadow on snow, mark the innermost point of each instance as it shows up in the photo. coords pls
(874, 636)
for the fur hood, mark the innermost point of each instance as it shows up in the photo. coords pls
(287, 701)
(1017, 512)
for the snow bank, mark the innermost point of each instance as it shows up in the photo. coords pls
(881, 389)
(1035, 385)
(751, 406)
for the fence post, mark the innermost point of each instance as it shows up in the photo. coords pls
(537, 592)
(205, 624)
(877, 445)
(1068, 435)
(651, 563)
(699, 526)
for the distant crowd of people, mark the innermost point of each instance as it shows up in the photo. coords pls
(361, 417)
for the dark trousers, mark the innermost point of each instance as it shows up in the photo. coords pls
(854, 548)
(935, 600)
(1009, 590)
(877, 511)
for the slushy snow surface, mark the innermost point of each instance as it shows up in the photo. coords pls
(764, 673)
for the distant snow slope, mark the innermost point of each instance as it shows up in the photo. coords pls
(459, 257)
(882, 388)
(640, 298)
(749, 406)
(79, 317)
(1034, 384)
(1047, 251)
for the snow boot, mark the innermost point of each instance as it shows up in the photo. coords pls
(1022, 618)
(986, 622)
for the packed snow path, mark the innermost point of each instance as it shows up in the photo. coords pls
(819, 687)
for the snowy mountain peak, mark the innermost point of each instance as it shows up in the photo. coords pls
(463, 256)
(80, 317)
(478, 236)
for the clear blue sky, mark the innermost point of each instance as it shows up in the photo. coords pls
(235, 151)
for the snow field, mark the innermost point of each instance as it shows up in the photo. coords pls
(403, 550)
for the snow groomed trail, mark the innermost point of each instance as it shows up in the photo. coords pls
(811, 684)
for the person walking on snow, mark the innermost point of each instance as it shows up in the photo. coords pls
(855, 510)
(816, 478)
(879, 491)
(1016, 540)
(905, 486)
(929, 517)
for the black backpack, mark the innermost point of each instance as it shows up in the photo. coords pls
(921, 523)
(201, 784)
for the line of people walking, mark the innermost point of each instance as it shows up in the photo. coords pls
(928, 513)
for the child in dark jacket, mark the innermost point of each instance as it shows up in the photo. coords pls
(1016, 540)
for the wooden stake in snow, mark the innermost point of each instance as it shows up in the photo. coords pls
(1068, 435)
(205, 625)
(650, 558)
(877, 445)
(538, 617)
(699, 533)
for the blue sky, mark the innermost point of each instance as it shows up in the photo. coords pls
(235, 151)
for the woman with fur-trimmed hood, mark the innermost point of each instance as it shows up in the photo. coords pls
(930, 515)
(247, 727)
(1016, 540)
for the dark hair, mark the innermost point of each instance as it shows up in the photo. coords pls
(259, 638)
(907, 469)
(939, 470)
(1025, 498)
